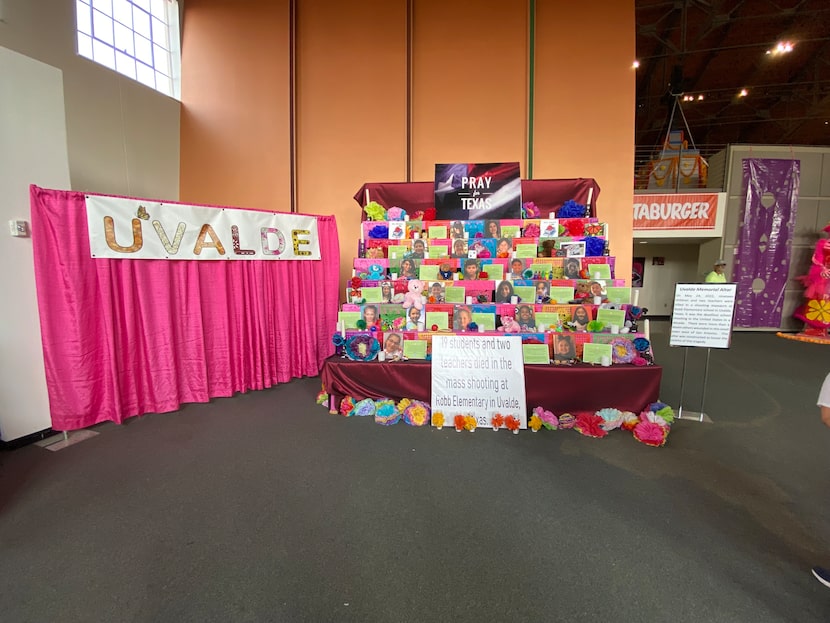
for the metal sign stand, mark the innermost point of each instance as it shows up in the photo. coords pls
(699, 416)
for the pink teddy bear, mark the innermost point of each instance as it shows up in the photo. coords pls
(413, 297)
(509, 325)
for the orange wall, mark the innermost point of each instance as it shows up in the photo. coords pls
(469, 95)
(235, 104)
(469, 100)
(584, 122)
(351, 108)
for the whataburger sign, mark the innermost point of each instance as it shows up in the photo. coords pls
(121, 228)
(676, 211)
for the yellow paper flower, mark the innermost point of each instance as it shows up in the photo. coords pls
(438, 419)
(535, 422)
(418, 415)
(818, 311)
(403, 404)
(469, 423)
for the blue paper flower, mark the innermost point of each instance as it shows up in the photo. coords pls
(641, 344)
(338, 340)
(472, 327)
(656, 406)
(379, 231)
(572, 209)
(594, 247)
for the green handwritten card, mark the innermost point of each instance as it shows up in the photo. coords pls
(397, 253)
(454, 294)
(593, 353)
(611, 316)
(618, 294)
(428, 272)
(436, 252)
(599, 271)
(510, 231)
(495, 272)
(561, 294)
(437, 231)
(535, 353)
(526, 250)
(372, 295)
(417, 349)
(527, 294)
(488, 321)
(439, 319)
(348, 318)
(549, 319)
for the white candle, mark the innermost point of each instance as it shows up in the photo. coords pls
(635, 297)
(647, 329)
(606, 361)
(590, 195)
(597, 300)
(514, 300)
(381, 356)
(615, 329)
(481, 328)
(540, 327)
(469, 300)
(342, 324)
(597, 275)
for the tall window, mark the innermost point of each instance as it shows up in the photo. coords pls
(137, 38)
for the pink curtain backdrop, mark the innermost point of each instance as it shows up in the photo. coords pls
(127, 337)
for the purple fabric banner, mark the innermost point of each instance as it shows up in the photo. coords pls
(765, 239)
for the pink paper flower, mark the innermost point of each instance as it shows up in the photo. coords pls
(650, 433)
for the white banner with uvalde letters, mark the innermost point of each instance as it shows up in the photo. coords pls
(478, 375)
(151, 230)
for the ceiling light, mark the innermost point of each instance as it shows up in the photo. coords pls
(635, 64)
(700, 97)
(782, 47)
(743, 93)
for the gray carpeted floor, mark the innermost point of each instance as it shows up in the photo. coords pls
(263, 507)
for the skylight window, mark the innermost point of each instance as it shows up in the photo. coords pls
(136, 38)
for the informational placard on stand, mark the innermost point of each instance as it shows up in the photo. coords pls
(702, 315)
(478, 376)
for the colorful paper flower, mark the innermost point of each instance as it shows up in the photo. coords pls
(549, 420)
(594, 247)
(338, 340)
(639, 361)
(458, 421)
(472, 326)
(629, 420)
(535, 423)
(611, 418)
(395, 214)
(379, 232)
(590, 425)
(322, 397)
(622, 350)
(667, 413)
(571, 209)
(595, 326)
(470, 423)
(438, 419)
(641, 344)
(566, 420)
(386, 413)
(532, 230)
(530, 210)
(497, 421)
(512, 423)
(818, 311)
(374, 211)
(362, 347)
(574, 228)
(346, 406)
(416, 414)
(650, 433)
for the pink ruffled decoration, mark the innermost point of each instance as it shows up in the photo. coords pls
(650, 433)
(531, 231)
(639, 361)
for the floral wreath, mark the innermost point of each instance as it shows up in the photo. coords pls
(362, 347)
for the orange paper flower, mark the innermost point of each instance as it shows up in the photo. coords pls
(458, 420)
(512, 423)
(498, 420)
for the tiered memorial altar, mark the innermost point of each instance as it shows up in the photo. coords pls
(547, 277)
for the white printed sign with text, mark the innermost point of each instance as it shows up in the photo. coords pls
(478, 375)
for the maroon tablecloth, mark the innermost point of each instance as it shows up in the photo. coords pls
(546, 194)
(558, 388)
